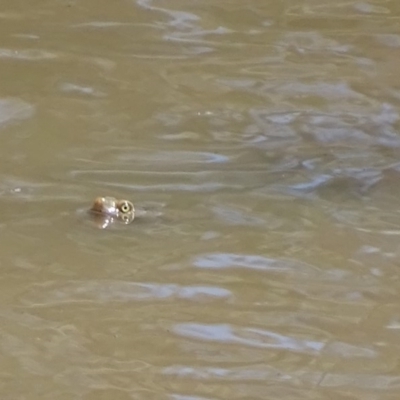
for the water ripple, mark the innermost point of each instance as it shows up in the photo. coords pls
(247, 336)
(255, 262)
(14, 109)
(110, 291)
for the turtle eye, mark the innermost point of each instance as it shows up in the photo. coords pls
(125, 207)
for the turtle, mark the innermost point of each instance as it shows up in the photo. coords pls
(108, 209)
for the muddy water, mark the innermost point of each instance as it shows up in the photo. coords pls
(263, 140)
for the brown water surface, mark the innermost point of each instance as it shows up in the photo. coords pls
(262, 137)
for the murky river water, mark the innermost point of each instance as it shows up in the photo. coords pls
(263, 137)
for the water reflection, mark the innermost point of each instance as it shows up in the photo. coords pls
(14, 109)
(247, 337)
(104, 292)
(218, 261)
